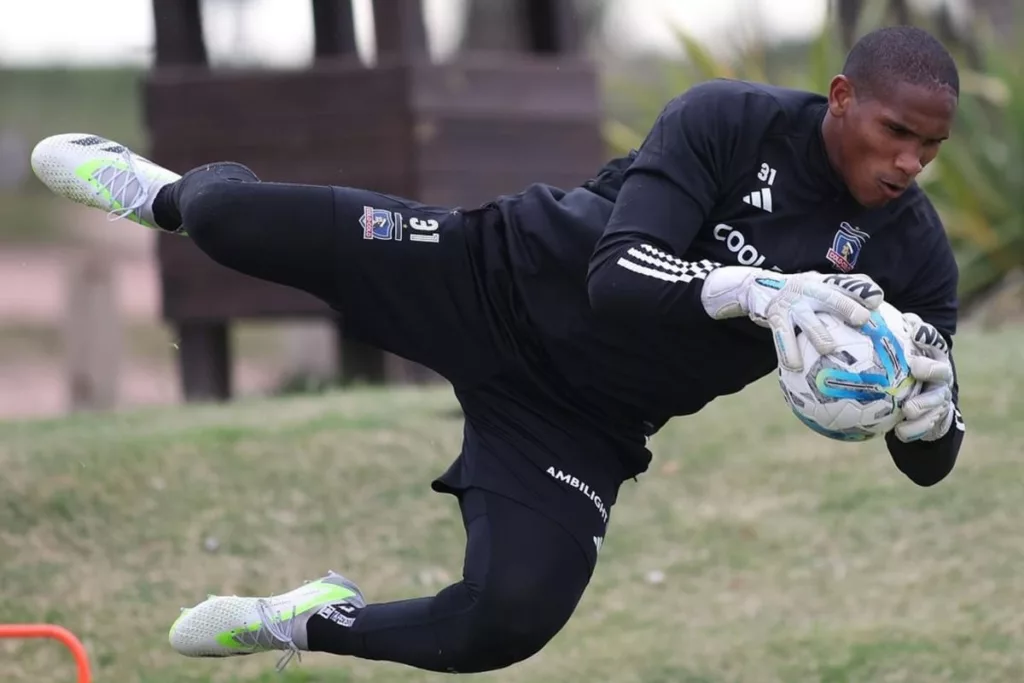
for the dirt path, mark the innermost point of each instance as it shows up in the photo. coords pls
(33, 290)
(33, 286)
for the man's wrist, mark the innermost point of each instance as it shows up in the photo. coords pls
(726, 291)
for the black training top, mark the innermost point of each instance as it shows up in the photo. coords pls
(731, 173)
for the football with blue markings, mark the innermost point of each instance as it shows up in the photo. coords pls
(858, 391)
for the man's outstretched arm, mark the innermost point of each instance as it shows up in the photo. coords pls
(925, 446)
(639, 271)
(927, 462)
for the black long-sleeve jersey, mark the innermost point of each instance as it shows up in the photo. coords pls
(732, 173)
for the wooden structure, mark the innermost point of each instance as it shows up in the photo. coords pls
(456, 133)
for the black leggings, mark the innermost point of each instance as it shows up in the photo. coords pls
(523, 572)
(412, 283)
(522, 578)
(281, 233)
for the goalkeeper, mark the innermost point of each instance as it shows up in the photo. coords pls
(573, 323)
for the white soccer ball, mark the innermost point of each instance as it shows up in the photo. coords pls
(857, 392)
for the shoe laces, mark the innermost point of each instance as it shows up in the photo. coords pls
(279, 630)
(120, 193)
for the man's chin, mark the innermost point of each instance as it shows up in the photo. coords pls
(871, 200)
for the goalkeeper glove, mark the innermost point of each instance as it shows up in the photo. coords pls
(928, 415)
(783, 303)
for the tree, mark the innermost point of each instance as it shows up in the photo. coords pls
(497, 24)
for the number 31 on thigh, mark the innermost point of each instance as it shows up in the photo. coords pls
(423, 230)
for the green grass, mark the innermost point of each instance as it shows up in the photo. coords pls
(786, 558)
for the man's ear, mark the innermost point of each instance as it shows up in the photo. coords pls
(840, 95)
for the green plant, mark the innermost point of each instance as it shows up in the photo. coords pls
(808, 66)
(978, 179)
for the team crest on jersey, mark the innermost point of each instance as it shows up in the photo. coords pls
(846, 246)
(379, 224)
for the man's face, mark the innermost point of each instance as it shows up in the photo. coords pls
(887, 138)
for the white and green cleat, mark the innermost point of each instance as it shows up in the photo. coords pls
(102, 174)
(230, 626)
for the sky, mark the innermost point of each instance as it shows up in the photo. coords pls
(72, 32)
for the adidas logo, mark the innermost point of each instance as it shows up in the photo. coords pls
(598, 542)
(762, 199)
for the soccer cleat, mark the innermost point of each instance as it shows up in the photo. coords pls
(229, 626)
(102, 174)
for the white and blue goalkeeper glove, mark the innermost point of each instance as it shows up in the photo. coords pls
(784, 303)
(927, 416)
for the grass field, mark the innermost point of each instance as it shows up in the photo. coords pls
(752, 552)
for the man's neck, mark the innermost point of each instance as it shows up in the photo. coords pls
(830, 138)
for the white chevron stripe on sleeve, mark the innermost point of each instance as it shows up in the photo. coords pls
(650, 272)
(655, 263)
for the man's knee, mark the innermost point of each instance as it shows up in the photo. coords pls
(213, 197)
(512, 620)
(500, 636)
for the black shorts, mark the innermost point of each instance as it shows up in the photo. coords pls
(433, 285)
(410, 281)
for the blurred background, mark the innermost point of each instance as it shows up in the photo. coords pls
(752, 551)
(82, 321)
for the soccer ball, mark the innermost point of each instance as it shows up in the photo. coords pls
(858, 391)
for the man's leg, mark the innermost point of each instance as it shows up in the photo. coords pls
(523, 577)
(536, 491)
(281, 233)
(403, 275)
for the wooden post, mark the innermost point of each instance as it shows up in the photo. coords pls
(334, 32)
(551, 27)
(92, 332)
(399, 28)
(204, 360)
(178, 33)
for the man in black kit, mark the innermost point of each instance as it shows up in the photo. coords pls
(572, 324)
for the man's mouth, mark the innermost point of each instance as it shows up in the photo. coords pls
(892, 189)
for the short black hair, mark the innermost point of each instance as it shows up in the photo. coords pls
(888, 56)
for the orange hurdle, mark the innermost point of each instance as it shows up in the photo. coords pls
(53, 632)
